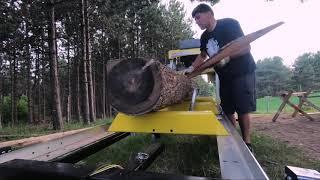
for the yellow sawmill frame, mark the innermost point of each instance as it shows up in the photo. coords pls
(175, 119)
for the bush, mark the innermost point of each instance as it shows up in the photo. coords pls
(205, 89)
(22, 106)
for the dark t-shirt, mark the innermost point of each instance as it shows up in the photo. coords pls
(225, 31)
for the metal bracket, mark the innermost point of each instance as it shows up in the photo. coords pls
(143, 159)
(141, 156)
(193, 100)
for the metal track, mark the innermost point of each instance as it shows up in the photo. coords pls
(236, 160)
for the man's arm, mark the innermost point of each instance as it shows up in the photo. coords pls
(240, 52)
(199, 59)
(234, 32)
(197, 63)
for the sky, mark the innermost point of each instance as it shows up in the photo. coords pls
(299, 34)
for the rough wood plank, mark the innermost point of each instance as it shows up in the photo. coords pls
(233, 48)
(33, 140)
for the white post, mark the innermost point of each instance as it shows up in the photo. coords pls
(218, 89)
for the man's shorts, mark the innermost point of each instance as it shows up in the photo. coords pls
(238, 94)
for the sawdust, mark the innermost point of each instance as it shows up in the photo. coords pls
(298, 132)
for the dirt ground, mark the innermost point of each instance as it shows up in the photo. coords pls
(298, 132)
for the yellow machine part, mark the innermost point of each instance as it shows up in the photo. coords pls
(202, 104)
(174, 119)
(183, 52)
(174, 122)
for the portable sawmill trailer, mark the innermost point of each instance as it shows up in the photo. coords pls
(199, 116)
(56, 158)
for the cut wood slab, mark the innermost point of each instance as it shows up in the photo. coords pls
(15, 144)
(232, 48)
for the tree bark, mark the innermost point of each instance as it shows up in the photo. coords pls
(56, 111)
(13, 90)
(1, 92)
(68, 108)
(103, 87)
(103, 54)
(43, 104)
(85, 99)
(29, 82)
(107, 97)
(89, 63)
(138, 86)
(1, 103)
(29, 91)
(37, 87)
(78, 107)
(1, 96)
(42, 88)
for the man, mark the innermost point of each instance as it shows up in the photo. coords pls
(236, 73)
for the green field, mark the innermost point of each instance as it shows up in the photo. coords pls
(271, 104)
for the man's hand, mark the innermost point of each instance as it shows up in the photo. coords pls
(223, 62)
(186, 71)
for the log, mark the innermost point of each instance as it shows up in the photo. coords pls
(138, 86)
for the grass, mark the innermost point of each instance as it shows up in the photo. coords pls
(274, 103)
(189, 155)
(198, 155)
(274, 155)
(24, 130)
(116, 154)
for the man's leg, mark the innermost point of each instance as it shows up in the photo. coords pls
(232, 118)
(244, 123)
(227, 103)
(245, 99)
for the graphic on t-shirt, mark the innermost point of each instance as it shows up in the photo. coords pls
(212, 47)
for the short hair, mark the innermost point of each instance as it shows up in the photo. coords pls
(201, 8)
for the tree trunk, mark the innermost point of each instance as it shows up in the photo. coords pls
(103, 54)
(29, 92)
(37, 88)
(103, 87)
(1, 103)
(44, 104)
(42, 88)
(68, 108)
(89, 63)
(29, 82)
(13, 90)
(78, 107)
(138, 86)
(85, 98)
(108, 106)
(94, 87)
(1, 97)
(1, 92)
(56, 112)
